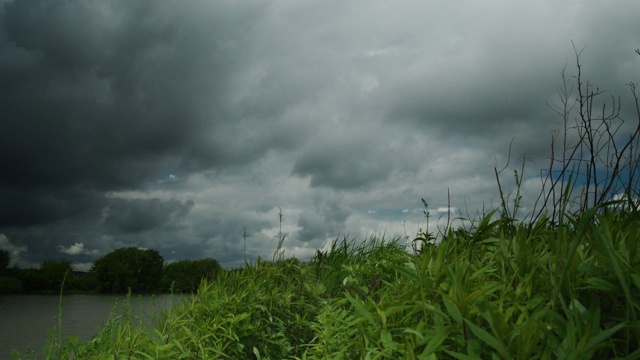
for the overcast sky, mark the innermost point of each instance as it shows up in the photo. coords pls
(176, 125)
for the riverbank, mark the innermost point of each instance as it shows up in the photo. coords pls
(566, 291)
(28, 319)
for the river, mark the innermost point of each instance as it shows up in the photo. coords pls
(25, 319)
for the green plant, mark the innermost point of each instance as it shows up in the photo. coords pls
(534, 292)
(278, 254)
(129, 268)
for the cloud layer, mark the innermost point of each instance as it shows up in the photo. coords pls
(179, 126)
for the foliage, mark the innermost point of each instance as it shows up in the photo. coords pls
(129, 268)
(82, 282)
(185, 275)
(54, 272)
(4, 261)
(48, 278)
(10, 285)
(540, 293)
(31, 279)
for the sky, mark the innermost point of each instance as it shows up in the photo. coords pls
(189, 127)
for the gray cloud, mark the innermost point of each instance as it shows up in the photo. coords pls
(77, 249)
(326, 219)
(346, 164)
(177, 125)
(137, 215)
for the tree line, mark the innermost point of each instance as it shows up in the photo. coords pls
(124, 269)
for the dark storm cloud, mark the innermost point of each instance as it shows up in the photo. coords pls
(29, 206)
(108, 95)
(137, 215)
(103, 96)
(353, 162)
(326, 219)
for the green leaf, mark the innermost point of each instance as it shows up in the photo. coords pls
(435, 341)
(461, 356)
(138, 352)
(489, 339)
(602, 336)
(636, 280)
(385, 337)
(358, 306)
(383, 316)
(256, 353)
(600, 284)
(575, 304)
(452, 309)
(394, 309)
(417, 333)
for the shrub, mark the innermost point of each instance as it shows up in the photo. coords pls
(185, 275)
(129, 268)
(10, 285)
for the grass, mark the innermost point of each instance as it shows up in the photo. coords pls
(569, 292)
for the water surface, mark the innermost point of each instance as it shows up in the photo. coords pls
(25, 319)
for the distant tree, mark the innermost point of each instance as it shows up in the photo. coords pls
(4, 261)
(177, 277)
(10, 285)
(129, 268)
(31, 279)
(53, 273)
(186, 275)
(208, 267)
(84, 282)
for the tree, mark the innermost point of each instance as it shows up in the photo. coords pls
(186, 275)
(31, 279)
(129, 268)
(8, 284)
(4, 261)
(208, 267)
(53, 273)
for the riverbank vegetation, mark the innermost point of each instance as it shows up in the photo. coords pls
(570, 292)
(560, 282)
(120, 271)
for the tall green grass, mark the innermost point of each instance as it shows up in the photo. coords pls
(532, 292)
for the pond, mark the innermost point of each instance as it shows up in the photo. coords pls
(26, 319)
